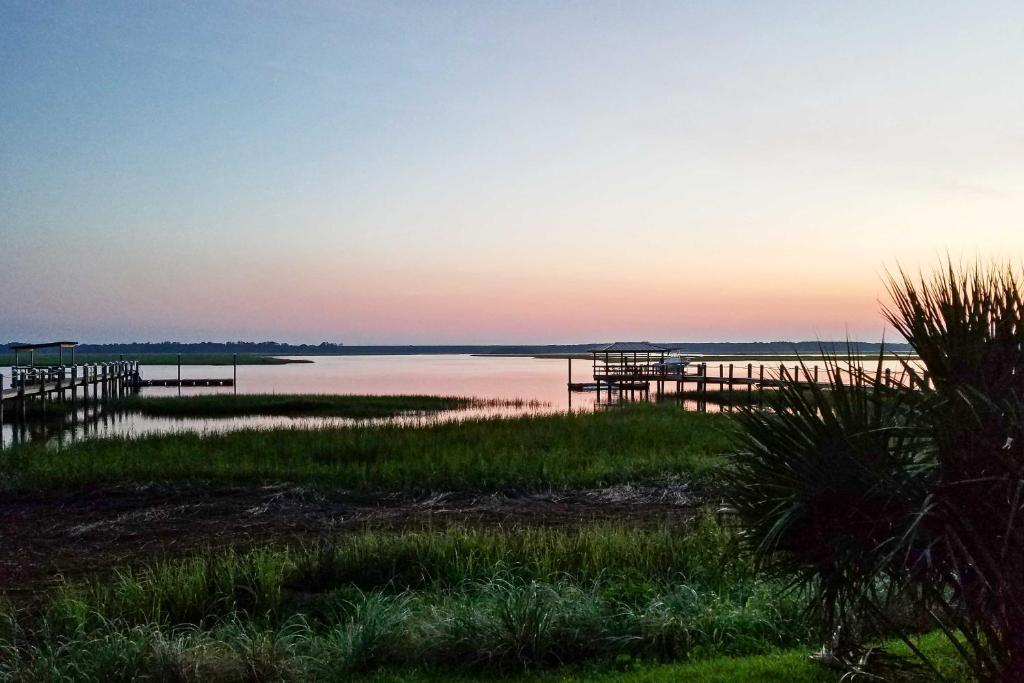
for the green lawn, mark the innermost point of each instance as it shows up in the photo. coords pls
(788, 666)
(781, 666)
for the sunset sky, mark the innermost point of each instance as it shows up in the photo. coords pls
(497, 172)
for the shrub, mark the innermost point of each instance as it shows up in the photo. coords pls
(871, 493)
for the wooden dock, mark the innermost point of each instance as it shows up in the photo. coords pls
(201, 382)
(635, 366)
(49, 383)
(42, 382)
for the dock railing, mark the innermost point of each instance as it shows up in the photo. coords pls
(748, 374)
(41, 381)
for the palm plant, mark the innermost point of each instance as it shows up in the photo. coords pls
(866, 492)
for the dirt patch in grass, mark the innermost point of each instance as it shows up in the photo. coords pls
(92, 531)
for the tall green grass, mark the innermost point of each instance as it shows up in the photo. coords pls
(520, 602)
(628, 564)
(638, 443)
(326, 405)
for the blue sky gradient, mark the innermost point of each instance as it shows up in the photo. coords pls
(497, 172)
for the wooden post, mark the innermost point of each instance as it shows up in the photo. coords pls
(888, 377)
(760, 385)
(731, 385)
(41, 379)
(179, 374)
(21, 394)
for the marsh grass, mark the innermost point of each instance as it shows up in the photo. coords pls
(522, 602)
(563, 450)
(629, 566)
(769, 398)
(47, 360)
(303, 405)
(724, 397)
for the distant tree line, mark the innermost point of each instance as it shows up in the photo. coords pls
(262, 348)
(337, 349)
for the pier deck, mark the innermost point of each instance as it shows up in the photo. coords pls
(43, 382)
(634, 366)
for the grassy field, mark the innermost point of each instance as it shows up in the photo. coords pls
(429, 598)
(784, 666)
(289, 405)
(637, 444)
(305, 405)
(604, 602)
(485, 602)
(6, 359)
(725, 397)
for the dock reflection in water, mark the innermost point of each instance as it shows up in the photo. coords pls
(540, 383)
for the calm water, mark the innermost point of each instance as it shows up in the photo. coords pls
(541, 382)
(455, 375)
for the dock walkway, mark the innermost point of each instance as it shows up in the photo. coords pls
(634, 366)
(41, 381)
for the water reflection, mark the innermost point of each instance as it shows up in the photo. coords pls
(105, 420)
(540, 383)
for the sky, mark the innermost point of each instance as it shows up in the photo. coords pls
(497, 172)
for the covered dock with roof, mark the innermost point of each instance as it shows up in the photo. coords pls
(634, 365)
(31, 349)
(626, 360)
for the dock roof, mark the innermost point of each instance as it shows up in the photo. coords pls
(43, 345)
(630, 347)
